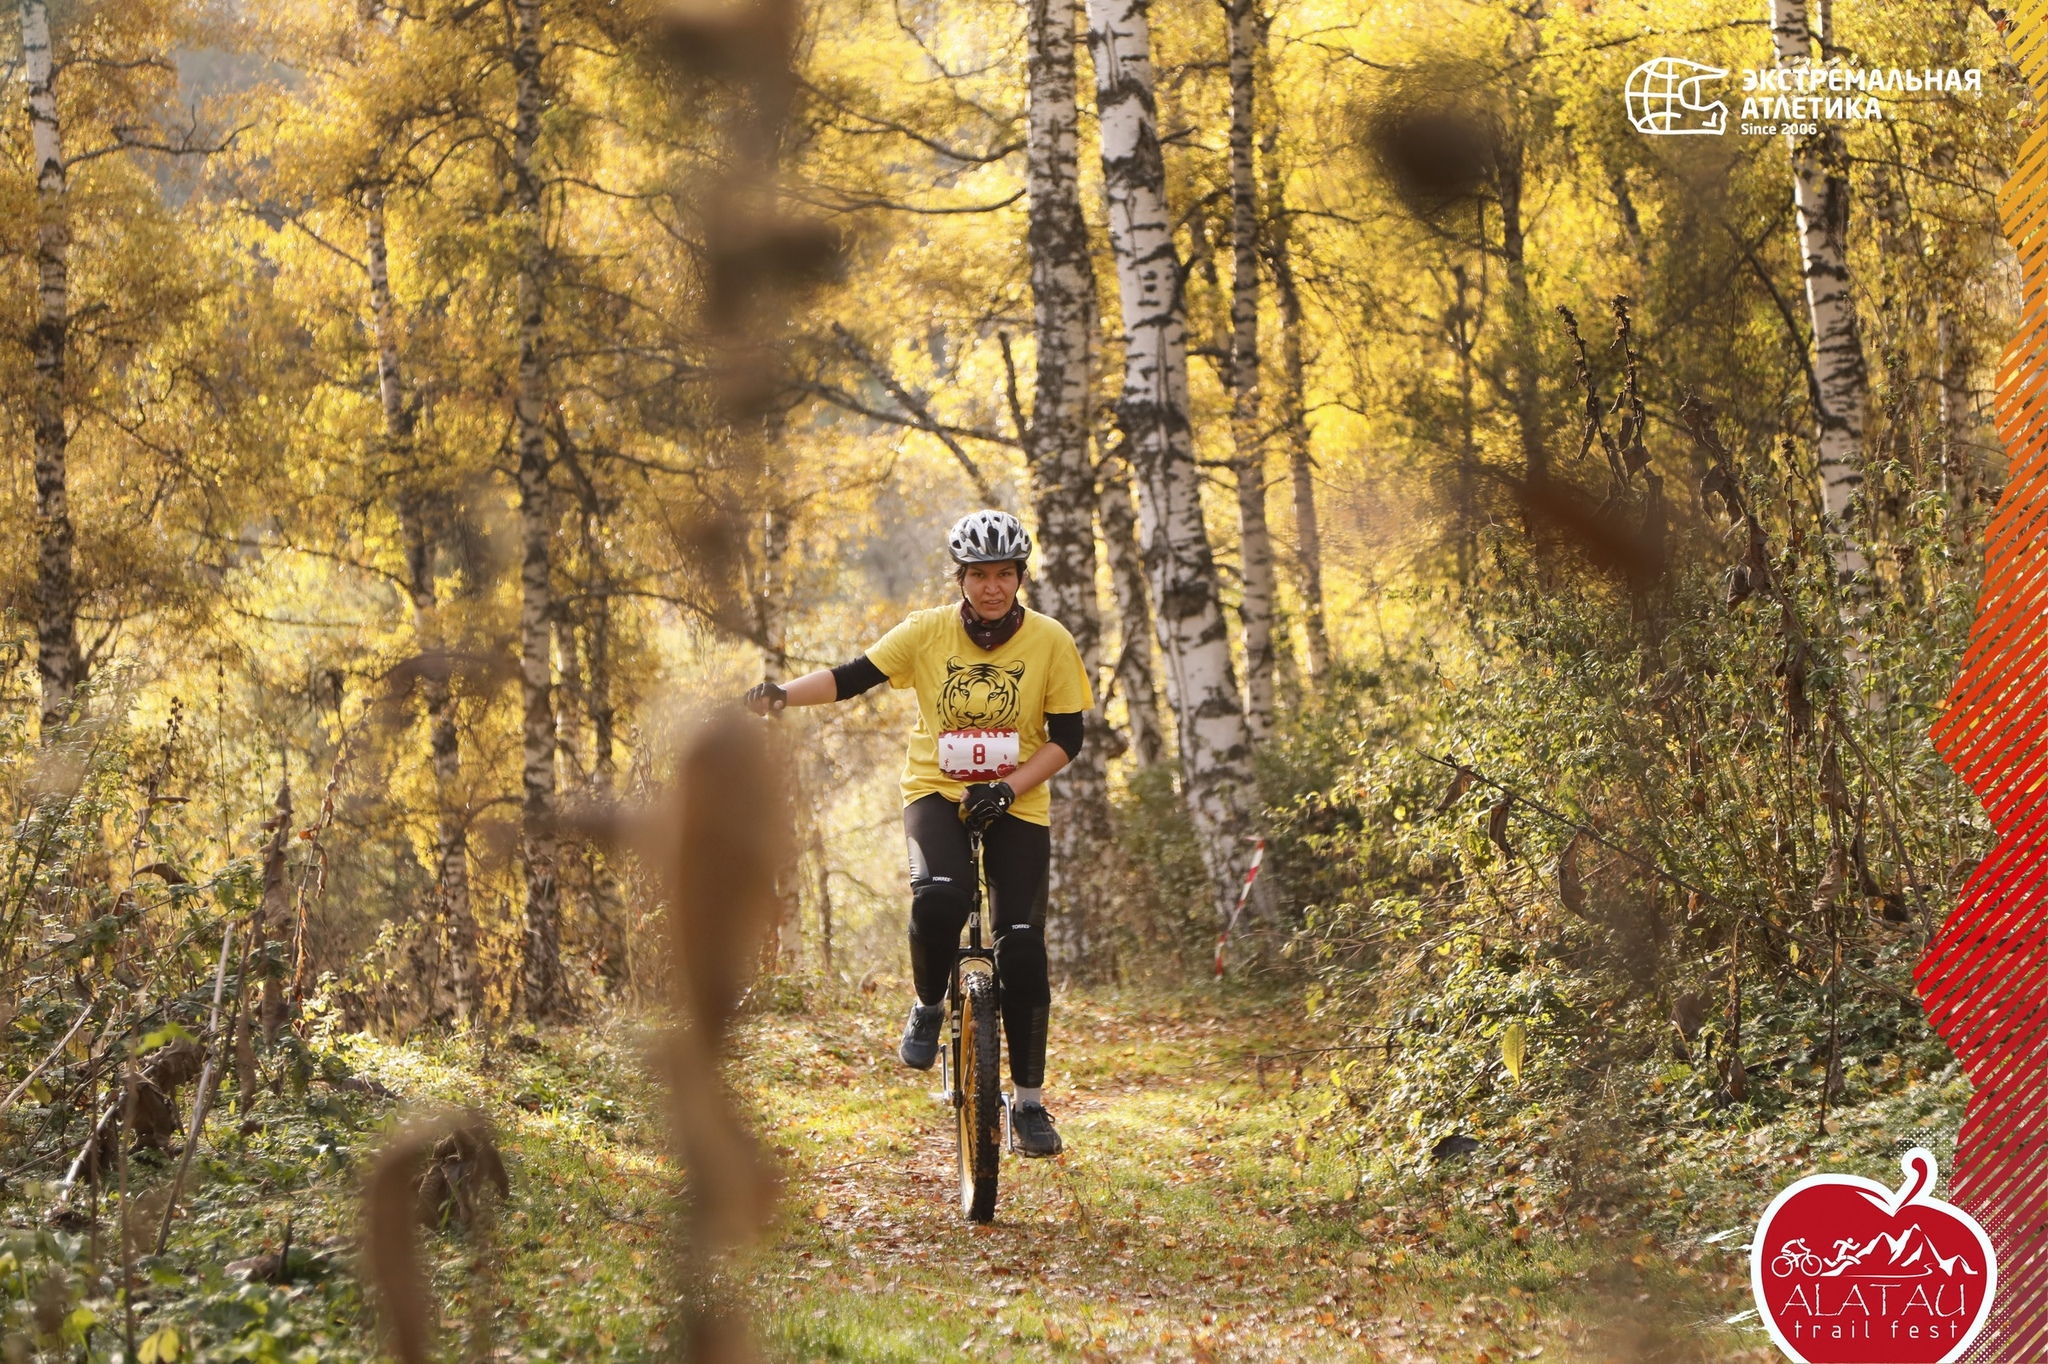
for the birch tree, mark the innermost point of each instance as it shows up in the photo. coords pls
(1056, 440)
(1820, 194)
(444, 743)
(600, 709)
(1292, 417)
(1519, 140)
(1953, 415)
(1215, 743)
(1117, 511)
(57, 662)
(546, 995)
(1246, 36)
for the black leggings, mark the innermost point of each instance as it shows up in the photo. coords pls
(1017, 856)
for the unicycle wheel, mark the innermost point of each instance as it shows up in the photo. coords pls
(980, 1104)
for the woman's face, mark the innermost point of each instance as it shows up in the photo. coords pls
(990, 589)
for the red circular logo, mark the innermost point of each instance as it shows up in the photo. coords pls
(1847, 1271)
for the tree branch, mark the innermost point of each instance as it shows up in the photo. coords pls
(881, 125)
(1017, 416)
(914, 404)
(1785, 312)
(854, 205)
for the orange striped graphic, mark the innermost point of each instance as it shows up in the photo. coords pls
(1984, 979)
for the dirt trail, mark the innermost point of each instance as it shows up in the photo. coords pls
(1178, 1226)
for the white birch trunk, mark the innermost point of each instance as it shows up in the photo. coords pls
(580, 699)
(1215, 745)
(1056, 449)
(771, 593)
(821, 867)
(458, 996)
(545, 995)
(1117, 511)
(272, 919)
(1248, 465)
(57, 661)
(1820, 192)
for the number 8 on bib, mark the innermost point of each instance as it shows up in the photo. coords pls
(978, 754)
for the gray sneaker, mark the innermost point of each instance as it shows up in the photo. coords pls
(1032, 1132)
(920, 1044)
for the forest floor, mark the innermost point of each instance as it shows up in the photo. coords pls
(1183, 1223)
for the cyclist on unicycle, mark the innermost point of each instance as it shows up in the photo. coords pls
(1000, 695)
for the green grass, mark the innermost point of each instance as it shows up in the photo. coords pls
(1198, 1214)
(1184, 1222)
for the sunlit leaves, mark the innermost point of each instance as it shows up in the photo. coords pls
(1513, 1040)
(159, 1346)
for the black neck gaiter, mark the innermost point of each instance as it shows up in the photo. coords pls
(992, 634)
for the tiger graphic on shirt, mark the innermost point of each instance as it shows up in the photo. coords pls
(980, 695)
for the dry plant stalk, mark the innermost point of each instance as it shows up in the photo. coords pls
(730, 830)
(727, 832)
(716, 846)
(435, 1167)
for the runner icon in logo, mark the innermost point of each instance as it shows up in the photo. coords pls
(1664, 98)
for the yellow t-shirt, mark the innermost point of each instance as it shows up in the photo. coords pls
(962, 687)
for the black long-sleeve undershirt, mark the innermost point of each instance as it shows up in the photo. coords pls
(856, 677)
(1067, 729)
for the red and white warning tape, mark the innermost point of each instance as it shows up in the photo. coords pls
(1244, 893)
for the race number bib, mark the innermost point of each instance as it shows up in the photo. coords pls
(978, 754)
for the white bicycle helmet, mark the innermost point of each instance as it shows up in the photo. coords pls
(988, 537)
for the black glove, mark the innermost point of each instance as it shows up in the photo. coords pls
(766, 699)
(985, 803)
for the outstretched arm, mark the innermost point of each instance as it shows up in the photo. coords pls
(817, 688)
(812, 689)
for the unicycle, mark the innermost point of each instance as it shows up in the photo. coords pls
(972, 1062)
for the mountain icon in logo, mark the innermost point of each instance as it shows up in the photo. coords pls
(1912, 1254)
(1664, 98)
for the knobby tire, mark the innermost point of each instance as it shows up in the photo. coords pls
(981, 1099)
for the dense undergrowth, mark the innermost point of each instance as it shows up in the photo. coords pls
(1624, 880)
(1621, 873)
(265, 1262)
(1184, 1189)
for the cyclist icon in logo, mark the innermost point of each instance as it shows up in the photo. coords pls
(1664, 98)
(1796, 1257)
